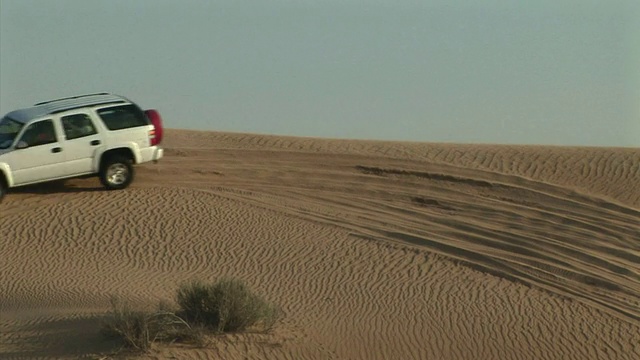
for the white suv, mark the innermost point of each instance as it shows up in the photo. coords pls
(87, 135)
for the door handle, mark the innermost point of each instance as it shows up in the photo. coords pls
(56, 149)
(95, 142)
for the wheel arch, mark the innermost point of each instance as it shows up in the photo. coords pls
(5, 178)
(120, 152)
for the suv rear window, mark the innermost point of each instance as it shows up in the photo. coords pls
(122, 117)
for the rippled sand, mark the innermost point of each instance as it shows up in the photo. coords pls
(374, 250)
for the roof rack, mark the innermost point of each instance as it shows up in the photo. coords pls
(67, 108)
(71, 97)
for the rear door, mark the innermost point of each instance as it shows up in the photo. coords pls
(81, 142)
(42, 158)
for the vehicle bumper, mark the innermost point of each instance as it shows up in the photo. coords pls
(158, 154)
(153, 153)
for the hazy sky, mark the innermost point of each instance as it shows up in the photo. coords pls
(564, 72)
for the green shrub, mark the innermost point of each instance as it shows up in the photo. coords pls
(225, 306)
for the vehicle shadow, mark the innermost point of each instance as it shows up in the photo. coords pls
(60, 186)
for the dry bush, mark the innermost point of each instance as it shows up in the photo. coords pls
(227, 305)
(224, 306)
(140, 329)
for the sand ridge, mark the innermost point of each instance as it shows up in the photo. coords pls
(373, 249)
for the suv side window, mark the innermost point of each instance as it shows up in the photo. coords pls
(77, 126)
(122, 117)
(9, 130)
(40, 133)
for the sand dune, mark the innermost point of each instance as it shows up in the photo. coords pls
(375, 250)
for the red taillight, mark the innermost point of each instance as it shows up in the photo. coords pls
(152, 137)
(155, 135)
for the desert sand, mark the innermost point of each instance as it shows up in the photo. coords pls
(374, 250)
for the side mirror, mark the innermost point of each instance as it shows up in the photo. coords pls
(22, 145)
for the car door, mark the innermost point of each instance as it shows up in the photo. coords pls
(38, 155)
(81, 142)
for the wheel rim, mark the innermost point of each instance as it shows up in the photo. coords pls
(117, 174)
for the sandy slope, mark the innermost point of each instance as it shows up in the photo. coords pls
(375, 250)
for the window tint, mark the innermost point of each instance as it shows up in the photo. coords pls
(9, 130)
(39, 133)
(122, 117)
(77, 126)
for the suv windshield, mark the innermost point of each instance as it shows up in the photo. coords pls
(9, 129)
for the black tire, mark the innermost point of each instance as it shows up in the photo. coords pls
(116, 173)
(3, 189)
